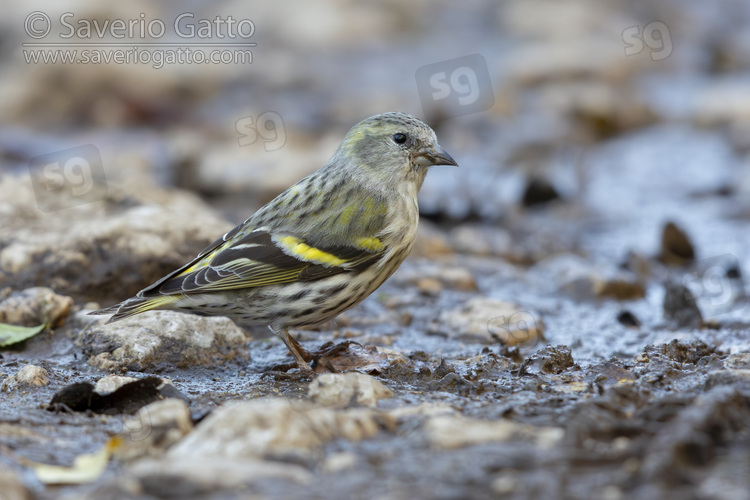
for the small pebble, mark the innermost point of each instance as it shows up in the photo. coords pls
(28, 376)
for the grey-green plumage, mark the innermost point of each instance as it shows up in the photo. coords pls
(318, 248)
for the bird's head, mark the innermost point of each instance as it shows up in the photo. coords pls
(392, 148)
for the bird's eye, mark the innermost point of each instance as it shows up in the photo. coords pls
(399, 138)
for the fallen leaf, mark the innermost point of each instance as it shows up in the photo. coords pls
(348, 356)
(86, 468)
(12, 334)
(128, 398)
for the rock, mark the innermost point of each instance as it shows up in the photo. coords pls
(431, 276)
(609, 374)
(481, 240)
(683, 352)
(696, 433)
(128, 398)
(553, 360)
(539, 191)
(35, 306)
(728, 377)
(351, 356)
(338, 462)
(596, 287)
(459, 278)
(561, 35)
(545, 62)
(108, 385)
(627, 318)
(680, 307)
(102, 251)
(489, 321)
(196, 478)
(28, 376)
(11, 486)
(585, 281)
(225, 168)
(342, 390)
(619, 289)
(162, 338)
(422, 410)
(676, 248)
(738, 361)
(429, 286)
(451, 432)
(504, 484)
(154, 429)
(431, 241)
(275, 427)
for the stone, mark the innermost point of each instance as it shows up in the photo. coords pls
(109, 384)
(341, 390)
(338, 462)
(489, 321)
(218, 473)
(153, 429)
(162, 338)
(35, 306)
(585, 281)
(628, 319)
(28, 376)
(728, 377)
(422, 410)
(676, 248)
(451, 432)
(740, 360)
(680, 307)
(539, 191)
(431, 241)
(429, 286)
(432, 276)
(104, 251)
(128, 398)
(550, 360)
(268, 427)
(481, 240)
(11, 486)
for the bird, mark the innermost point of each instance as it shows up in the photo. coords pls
(318, 248)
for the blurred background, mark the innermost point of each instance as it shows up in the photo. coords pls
(659, 89)
(580, 127)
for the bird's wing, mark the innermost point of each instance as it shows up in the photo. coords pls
(275, 246)
(261, 258)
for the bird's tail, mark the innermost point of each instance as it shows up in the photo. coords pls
(135, 305)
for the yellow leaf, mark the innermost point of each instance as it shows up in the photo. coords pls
(86, 468)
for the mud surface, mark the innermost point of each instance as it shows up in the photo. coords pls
(573, 321)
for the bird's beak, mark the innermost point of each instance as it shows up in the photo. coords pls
(435, 155)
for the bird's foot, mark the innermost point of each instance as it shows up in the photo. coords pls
(323, 361)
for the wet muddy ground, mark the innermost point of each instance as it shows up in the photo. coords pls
(616, 401)
(572, 323)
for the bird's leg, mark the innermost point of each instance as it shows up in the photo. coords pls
(294, 348)
(306, 355)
